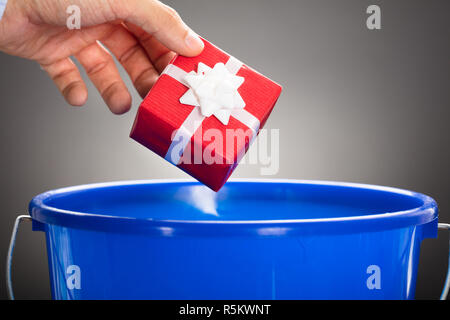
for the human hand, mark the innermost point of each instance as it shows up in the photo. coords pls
(143, 35)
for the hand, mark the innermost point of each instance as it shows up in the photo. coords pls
(143, 35)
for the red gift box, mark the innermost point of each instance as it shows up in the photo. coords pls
(203, 146)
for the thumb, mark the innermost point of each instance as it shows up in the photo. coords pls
(164, 24)
(152, 16)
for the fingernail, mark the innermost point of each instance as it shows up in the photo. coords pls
(193, 41)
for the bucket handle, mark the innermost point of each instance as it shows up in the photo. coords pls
(19, 219)
(444, 294)
(9, 257)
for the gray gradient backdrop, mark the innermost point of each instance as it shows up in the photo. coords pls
(358, 105)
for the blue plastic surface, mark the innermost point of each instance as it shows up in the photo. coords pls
(251, 240)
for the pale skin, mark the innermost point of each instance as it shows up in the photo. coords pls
(143, 35)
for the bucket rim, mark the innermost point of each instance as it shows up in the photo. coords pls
(46, 214)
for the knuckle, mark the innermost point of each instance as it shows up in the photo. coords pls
(107, 91)
(96, 68)
(130, 52)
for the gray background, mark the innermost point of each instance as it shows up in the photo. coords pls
(358, 105)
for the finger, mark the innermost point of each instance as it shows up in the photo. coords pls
(133, 58)
(74, 41)
(102, 71)
(67, 78)
(164, 24)
(159, 54)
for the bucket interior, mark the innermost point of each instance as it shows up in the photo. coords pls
(190, 201)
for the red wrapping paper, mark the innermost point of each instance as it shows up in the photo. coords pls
(161, 114)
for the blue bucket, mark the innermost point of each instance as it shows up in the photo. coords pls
(252, 240)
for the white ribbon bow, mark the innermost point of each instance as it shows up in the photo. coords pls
(214, 103)
(214, 90)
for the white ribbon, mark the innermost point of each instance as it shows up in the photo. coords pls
(193, 121)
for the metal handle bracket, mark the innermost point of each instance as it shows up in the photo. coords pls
(9, 257)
